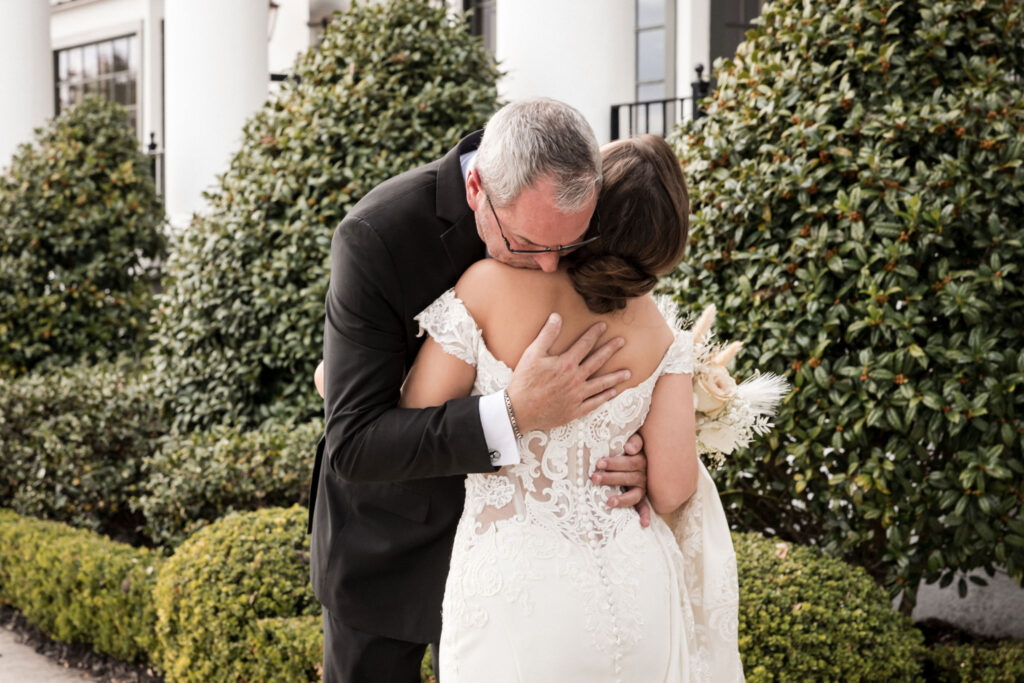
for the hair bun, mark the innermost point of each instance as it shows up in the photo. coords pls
(606, 281)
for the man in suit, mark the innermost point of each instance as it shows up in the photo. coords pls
(388, 482)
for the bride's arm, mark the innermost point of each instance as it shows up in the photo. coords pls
(670, 443)
(436, 377)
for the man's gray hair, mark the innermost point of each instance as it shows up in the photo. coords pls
(529, 139)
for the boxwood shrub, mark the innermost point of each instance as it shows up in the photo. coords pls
(994, 662)
(196, 478)
(240, 324)
(220, 598)
(78, 586)
(808, 616)
(858, 187)
(72, 443)
(80, 226)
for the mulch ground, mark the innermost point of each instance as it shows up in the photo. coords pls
(76, 655)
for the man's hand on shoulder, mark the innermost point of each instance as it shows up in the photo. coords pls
(550, 390)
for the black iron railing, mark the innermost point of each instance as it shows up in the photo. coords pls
(659, 117)
(156, 163)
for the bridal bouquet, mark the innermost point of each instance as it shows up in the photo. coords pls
(729, 414)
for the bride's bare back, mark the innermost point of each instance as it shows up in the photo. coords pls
(512, 304)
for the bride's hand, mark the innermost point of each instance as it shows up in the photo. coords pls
(318, 378)
(630, 471)
(548, 390)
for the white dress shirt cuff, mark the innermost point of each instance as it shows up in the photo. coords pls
(501, 440)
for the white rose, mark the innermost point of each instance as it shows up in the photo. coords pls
(712, 388)
(717, 437)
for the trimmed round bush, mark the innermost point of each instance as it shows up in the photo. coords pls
(240, 323)
(806, 616)
(858, 191)
(72, 443)
(220, 597)
(196, 478)
(994, 662)
(80, 224)
(78, 586)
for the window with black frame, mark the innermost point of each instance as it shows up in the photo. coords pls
(108, 68)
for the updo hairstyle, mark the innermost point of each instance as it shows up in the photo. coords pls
(644, 211)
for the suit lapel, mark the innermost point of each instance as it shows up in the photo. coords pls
(461, 241)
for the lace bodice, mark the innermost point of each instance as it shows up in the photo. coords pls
(540, 560)
(551, 486)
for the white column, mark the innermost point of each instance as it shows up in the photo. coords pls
(26, 78)
(693, 43)
(216, 77)
(579, 51)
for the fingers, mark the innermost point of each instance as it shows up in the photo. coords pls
(628, 479)
(623, 463)
(644, 509)
(634, 445)
(542, 343)
(582, 346)
(605, 382)
(594, 401)
(598, 358)
(627, 498)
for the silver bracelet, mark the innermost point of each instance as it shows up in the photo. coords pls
(512, 416)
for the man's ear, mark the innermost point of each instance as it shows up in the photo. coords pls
(474, 189)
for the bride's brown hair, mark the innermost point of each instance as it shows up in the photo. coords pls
(645, 214)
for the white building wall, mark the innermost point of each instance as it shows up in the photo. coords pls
(577, 51)
(26, 78)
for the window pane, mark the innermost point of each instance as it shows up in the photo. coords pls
(121, 54)
(106, 56)
(121, 89)
(65, 97)
(131, 90)
(650, 55)
(62, 65)
(90, 61)
(75, 62)
(650, 13)
(73, 95)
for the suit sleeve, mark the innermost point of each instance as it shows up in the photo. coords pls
(368, 438)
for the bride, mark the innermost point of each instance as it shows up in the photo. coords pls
(547, 582)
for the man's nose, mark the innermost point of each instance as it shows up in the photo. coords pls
(547, 261)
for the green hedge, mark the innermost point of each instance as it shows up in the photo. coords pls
(858, 187)
(220, 598)
(80, 225)
(197, 478)
(240, 324)
(72, 442)
(807, 616)
(78, 586)
(234, 603)
(996, 662)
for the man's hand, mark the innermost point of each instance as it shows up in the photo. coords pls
(547, 390)
(628, 470)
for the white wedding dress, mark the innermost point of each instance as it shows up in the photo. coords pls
(548, 583)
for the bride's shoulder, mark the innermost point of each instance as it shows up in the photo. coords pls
(492, 285)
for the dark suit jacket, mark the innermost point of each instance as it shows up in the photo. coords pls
(390, 490)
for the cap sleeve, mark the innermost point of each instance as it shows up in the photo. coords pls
(449, 323)
(679, 357)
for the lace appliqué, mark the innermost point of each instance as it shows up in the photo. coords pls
(449, 323)
(545, 512)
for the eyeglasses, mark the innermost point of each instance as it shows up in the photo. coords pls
(561, 249)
